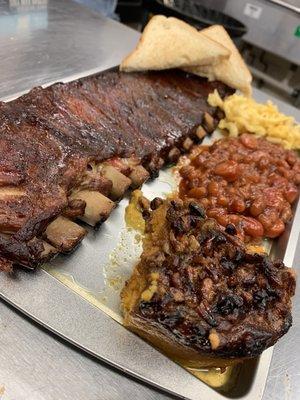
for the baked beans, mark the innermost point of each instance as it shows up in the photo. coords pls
(246, 181)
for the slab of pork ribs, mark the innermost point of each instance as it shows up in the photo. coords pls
(199, 295)
(71, 150)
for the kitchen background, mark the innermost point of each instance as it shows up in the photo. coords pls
(266, 31)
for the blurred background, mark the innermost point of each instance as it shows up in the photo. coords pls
(267, 32)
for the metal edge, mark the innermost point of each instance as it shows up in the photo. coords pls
(290, 250)
(69, 78)
(44, 299)
(286, 5)
(37, 315)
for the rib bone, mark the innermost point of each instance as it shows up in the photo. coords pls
(131, 168)
(120, 182)
(187, 144)
(49, 251)
(208, 122)
(155, 164)
(123, 165)
(200, 133)
(97, 209)
(138, 176)
(95, 181)
(76, 208)
(11, 198)
(64, 234)
(8, 191)
(174, 154)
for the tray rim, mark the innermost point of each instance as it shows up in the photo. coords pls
(41, 287)
(30, 308)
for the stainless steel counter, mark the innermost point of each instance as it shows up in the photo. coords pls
(56, 40)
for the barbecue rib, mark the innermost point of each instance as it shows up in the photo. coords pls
(69, 151)
(198, 295)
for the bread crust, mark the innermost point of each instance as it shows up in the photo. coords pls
(171, 43)
(232, 71)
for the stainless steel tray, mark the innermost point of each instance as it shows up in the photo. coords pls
(77, 297)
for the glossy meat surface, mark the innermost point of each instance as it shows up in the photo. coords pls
(49, 136)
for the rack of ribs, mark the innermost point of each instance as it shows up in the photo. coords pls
(70, 151)
(199, 295)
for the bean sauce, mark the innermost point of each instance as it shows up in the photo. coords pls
(246, 181)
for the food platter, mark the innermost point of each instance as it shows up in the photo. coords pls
(77, 297)
(78, 319)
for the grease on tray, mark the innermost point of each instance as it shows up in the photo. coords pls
(133, 212)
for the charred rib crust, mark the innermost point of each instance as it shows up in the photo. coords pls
(49, 136)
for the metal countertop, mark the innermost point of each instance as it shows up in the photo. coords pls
(58, 39)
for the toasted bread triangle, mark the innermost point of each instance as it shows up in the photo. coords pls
(171, 43)
(232, 71)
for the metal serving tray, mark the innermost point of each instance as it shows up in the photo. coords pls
(77, 297)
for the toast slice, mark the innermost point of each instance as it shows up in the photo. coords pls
(232, 71)
(171, 43)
